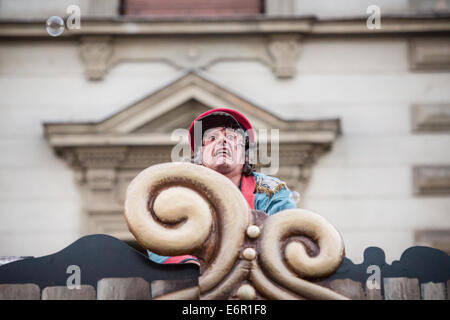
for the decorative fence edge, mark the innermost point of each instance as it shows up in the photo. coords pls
(140, 289)
(109, 269)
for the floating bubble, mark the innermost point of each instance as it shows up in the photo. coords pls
(295, 196)
(55, 26)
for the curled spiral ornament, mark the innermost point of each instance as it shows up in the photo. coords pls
(181, 208)
(177, 208)
(289, 259)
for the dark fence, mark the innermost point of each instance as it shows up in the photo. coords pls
(104, 268)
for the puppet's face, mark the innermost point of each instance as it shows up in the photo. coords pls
(223, 149)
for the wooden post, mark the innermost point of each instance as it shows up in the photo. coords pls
(123, 289)
(85, 292)
(433, 291)
(28, 291)
(373, 294)
(161, 287)
(401, 289)
(347, 287)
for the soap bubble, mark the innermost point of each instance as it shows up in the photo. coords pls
(295, 196)
(55, 26)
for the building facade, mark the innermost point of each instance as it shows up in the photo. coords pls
(363, 112)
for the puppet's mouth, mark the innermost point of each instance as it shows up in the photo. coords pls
(222, 152)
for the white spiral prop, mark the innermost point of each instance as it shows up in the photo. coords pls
(172, 209)
(286, 267)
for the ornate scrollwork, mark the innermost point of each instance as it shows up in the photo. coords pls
(182, 208)
(289, 256)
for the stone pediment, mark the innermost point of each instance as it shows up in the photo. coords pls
(179, 117)
(108, 154)
(151, 119)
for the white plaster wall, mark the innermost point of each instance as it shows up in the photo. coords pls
(363, 186)
(348, 8)
(43, 9)
(41, 81)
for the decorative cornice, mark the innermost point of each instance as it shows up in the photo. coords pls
(284, 50)
(272, 41)
(241, 25)
(120, 128)
(279, 52)
(430, 117)
(435, 238)
(96, 53)
(431, 179)
(164, 139)
(429, 54)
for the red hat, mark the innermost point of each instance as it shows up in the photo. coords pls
(224, 116)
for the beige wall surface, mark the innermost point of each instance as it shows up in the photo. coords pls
(43, 9)
(363, 185)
